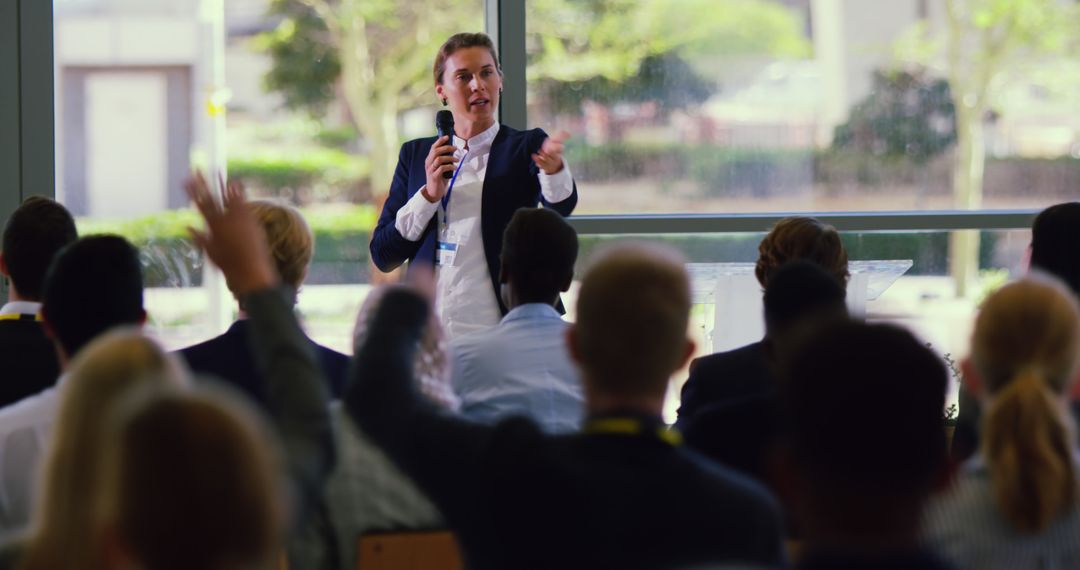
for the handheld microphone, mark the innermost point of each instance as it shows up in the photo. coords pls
(444, 125)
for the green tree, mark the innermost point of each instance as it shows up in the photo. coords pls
(906, 115)
(376, 54)
(983, 47)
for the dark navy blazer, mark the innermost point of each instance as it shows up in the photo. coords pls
(510, 182)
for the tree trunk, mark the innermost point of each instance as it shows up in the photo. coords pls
(968, 167)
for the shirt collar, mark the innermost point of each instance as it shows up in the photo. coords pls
(20, 308)
(531, 311)
(481, 141)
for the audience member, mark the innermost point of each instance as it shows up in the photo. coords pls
(93, 285)
(1055, 243)
(621, 494)
(366, 492)
(800, 295)
(1055, 250)
(297, 394)
(190, 480)
(228, 357)
(745, 372)
(522, 366)
(1015, 505)
(111, 367)
(34, 233)
(856, 492)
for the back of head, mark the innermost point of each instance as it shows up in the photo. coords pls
(632, 313)
(801, 291)
(802, 238)
(92, 286)
(289, 237)
(1026, 349)
(1055, 243)
(538, 254)
(837, 378)
(191, 482)
(105, 372)
(34, 233)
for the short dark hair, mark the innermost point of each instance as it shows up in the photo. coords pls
(798, 291)
(1055, 243)
(800, 237)
(848, 367)
(36, 230)
(93, 285)
(462, 41)
(538, 254)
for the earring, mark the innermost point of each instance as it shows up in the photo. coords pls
(444, 102)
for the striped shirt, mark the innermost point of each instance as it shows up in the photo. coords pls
(965, 526)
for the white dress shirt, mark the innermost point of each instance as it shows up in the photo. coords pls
(465, 300)
(20, 308)
(24, 436)
(521, 367)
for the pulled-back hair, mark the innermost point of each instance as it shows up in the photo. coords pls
(462, 41)
(34, 233)
(1055, 243)
(1025, 348)
(804, 238)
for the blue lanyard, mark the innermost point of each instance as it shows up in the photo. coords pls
(446, 198)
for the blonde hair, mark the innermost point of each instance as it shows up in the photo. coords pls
(193, 479)
(632, 314)
(100, 377)
(1026, 348)
(292, 244)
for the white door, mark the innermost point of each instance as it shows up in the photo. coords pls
(126, 152)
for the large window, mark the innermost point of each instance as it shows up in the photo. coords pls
(735, 109)
(679, 106)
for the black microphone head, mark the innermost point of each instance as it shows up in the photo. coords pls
(444, 123)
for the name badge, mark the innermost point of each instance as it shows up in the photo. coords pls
(445, 254)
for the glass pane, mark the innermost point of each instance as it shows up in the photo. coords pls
(921, 299)
(679, 106)
(273, 90)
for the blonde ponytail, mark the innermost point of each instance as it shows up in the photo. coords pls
(1026, 349)
(1028, 449)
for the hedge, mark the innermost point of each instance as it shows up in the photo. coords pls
(171, 260)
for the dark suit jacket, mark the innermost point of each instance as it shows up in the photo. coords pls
(29, 362)
(725, 377)
(739, 433)
(510, 183)
(518, 498)
(228, 357)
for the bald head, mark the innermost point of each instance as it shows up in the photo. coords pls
(632, 314)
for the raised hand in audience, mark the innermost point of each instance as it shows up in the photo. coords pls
(233, 239)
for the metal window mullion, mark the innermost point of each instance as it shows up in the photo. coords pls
(37, 103)
(504, 21)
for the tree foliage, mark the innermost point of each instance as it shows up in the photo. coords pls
(907, 114)
(376, 55)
